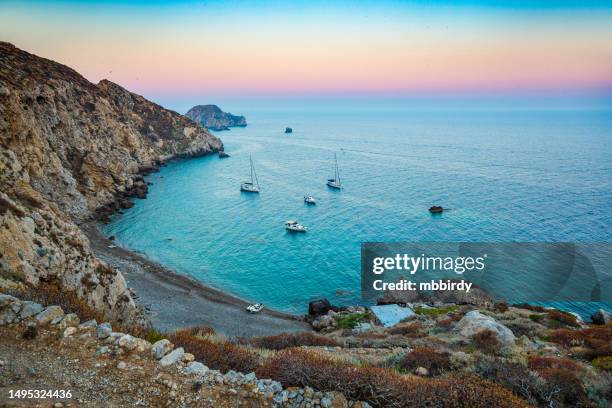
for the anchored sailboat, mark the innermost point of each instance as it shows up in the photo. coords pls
(253, 185)
(335, 182)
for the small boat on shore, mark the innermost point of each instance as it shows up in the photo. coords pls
(308, 199)
(253, 185)
(335, 182)
(295, 226)
(255, 308)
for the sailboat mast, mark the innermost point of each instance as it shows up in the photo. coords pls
(337, 172)
(251, 160)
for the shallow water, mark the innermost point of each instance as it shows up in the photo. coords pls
(507, 176)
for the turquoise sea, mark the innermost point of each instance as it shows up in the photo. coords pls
(506, 175)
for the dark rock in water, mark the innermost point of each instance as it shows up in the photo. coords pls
(124, 203)
(111, 238)
(213, 118)
(436, 209)
(319, 307)
(288, 130)
(223, 155)
(601, 317)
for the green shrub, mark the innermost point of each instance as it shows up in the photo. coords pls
(350, 321)
(603, 363)
(435, 311)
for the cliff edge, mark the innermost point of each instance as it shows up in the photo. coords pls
(69, 148)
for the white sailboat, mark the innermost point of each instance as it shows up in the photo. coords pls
(253, 185)
(335, 182)
(295, 226)
(308, 199)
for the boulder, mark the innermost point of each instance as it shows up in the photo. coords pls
(6, 300)
(103, 330)
(127, 342)
(70, 320)
(30, 309)
(319, 307)
(172, 358)
(601, 317)
(474, 322)
(51, 315)
(161, 348)
(197, 368)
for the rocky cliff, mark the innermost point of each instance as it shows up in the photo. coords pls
(69, 148)
(213, 118)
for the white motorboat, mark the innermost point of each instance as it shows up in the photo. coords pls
(308, 199)
(295, 226)
(255, 308)
(253, 185)
(335, 182)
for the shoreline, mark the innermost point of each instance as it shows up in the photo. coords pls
(174, 301)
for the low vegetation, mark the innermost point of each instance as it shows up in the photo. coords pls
(218, 355)
(287, 340)
(381, 387)
(351, 320)
(434, 361)
(435, 311)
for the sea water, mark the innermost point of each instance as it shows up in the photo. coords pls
(504, 175)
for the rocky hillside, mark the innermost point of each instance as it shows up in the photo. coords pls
(213, 118)
(68, 149)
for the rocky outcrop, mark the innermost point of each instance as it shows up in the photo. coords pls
(474, 322)
(213, 118)
(68, 148)
(155, 375)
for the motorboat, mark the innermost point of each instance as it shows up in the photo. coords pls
(308, 199)
(255, 308)
(294, 226)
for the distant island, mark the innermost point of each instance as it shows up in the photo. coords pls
(213, 118)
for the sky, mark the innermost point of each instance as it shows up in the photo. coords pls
(184, 52)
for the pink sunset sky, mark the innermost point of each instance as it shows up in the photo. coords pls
(187, 48)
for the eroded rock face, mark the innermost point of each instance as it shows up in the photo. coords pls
(68, 148)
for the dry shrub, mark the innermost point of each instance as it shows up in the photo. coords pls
(51, 294)
(412, 330)
(565, 318)
(486, 341)
(219, 356)
(598, 340)
(435, 362)
(533, 308)
(571, 392)
(501, 306)
(287, 340)
(453, 318)
(540, 363)
(381, 387)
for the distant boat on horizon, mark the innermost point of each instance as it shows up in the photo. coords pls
(253, 185)
(335, 182)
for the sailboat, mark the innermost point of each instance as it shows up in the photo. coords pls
(335, 182)
(253, 185)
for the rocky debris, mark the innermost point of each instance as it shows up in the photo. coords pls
(181, 379)
(161, 347)
(474, 322)
(69, 147)
(51, 315)
(172, 358)
(319, 307)
(213, 118)
(103, 330)
(30, 309)
(601, 317)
